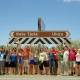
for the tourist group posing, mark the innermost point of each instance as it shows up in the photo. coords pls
(47, 61)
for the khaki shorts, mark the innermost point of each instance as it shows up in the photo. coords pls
(71, 64)
(26, 63)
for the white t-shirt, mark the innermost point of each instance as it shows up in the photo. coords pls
(43, 56)
(65, 55)
(78, 57)
(1, 56)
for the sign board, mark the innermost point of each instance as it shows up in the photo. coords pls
(39, 34)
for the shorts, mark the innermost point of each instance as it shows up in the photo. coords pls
(31, 62)
(71, 64)
(20, 61)
(13, 64)
(7, 64)
(78, 63)
(25, 63)
(41, 66)
(46, 63)
(2, 64)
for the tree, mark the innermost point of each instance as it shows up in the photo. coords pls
(76, 43)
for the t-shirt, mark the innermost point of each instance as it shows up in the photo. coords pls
(78, 57)
(55, 53)
(51, 56)
(65, 55)
(72, 55)
(26, 52)
(36, 59)
(60, 56)
(1, 56)
(7, 58)
(20, 58)
(13, 57)
(43, 56)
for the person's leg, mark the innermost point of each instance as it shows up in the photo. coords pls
(16, 67)
(70, 68)
(14, 70)
(3, 68)
(67, 68)
(76, 68)
(62, 67)
(79, 70)
(26, 66)
(73, 67)
(51, 67)
(21, 69)
(56, 67)
(36, 68)
(0, 70)
(30, 68)
(41, 68)
(46, 70)
(46, 67)
(6, 70)
(59, 67)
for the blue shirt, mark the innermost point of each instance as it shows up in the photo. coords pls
(13, 57)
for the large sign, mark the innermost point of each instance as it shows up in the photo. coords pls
(39, 34)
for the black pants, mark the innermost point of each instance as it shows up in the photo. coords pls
(56, 66)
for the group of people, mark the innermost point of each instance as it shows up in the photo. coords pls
(49, 61)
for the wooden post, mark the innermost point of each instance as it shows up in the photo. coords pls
(39, 30)
(39, 24)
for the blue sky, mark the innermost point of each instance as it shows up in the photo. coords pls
(23, 15)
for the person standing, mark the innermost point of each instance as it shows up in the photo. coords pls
(13, 61)
(7, 62)
(55, 53)
(60, 61)
(51, 62)
(2, 62)
(41, 60)
(36, 63)
(46, 61)
(20, 62)
(78, 63)
(31, 63)
(65, 60)
(72, 58)
(26, 52)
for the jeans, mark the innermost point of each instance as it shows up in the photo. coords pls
(52, 66)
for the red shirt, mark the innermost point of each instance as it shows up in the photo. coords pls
(26, 53)
(55, 52)
(72, 55)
